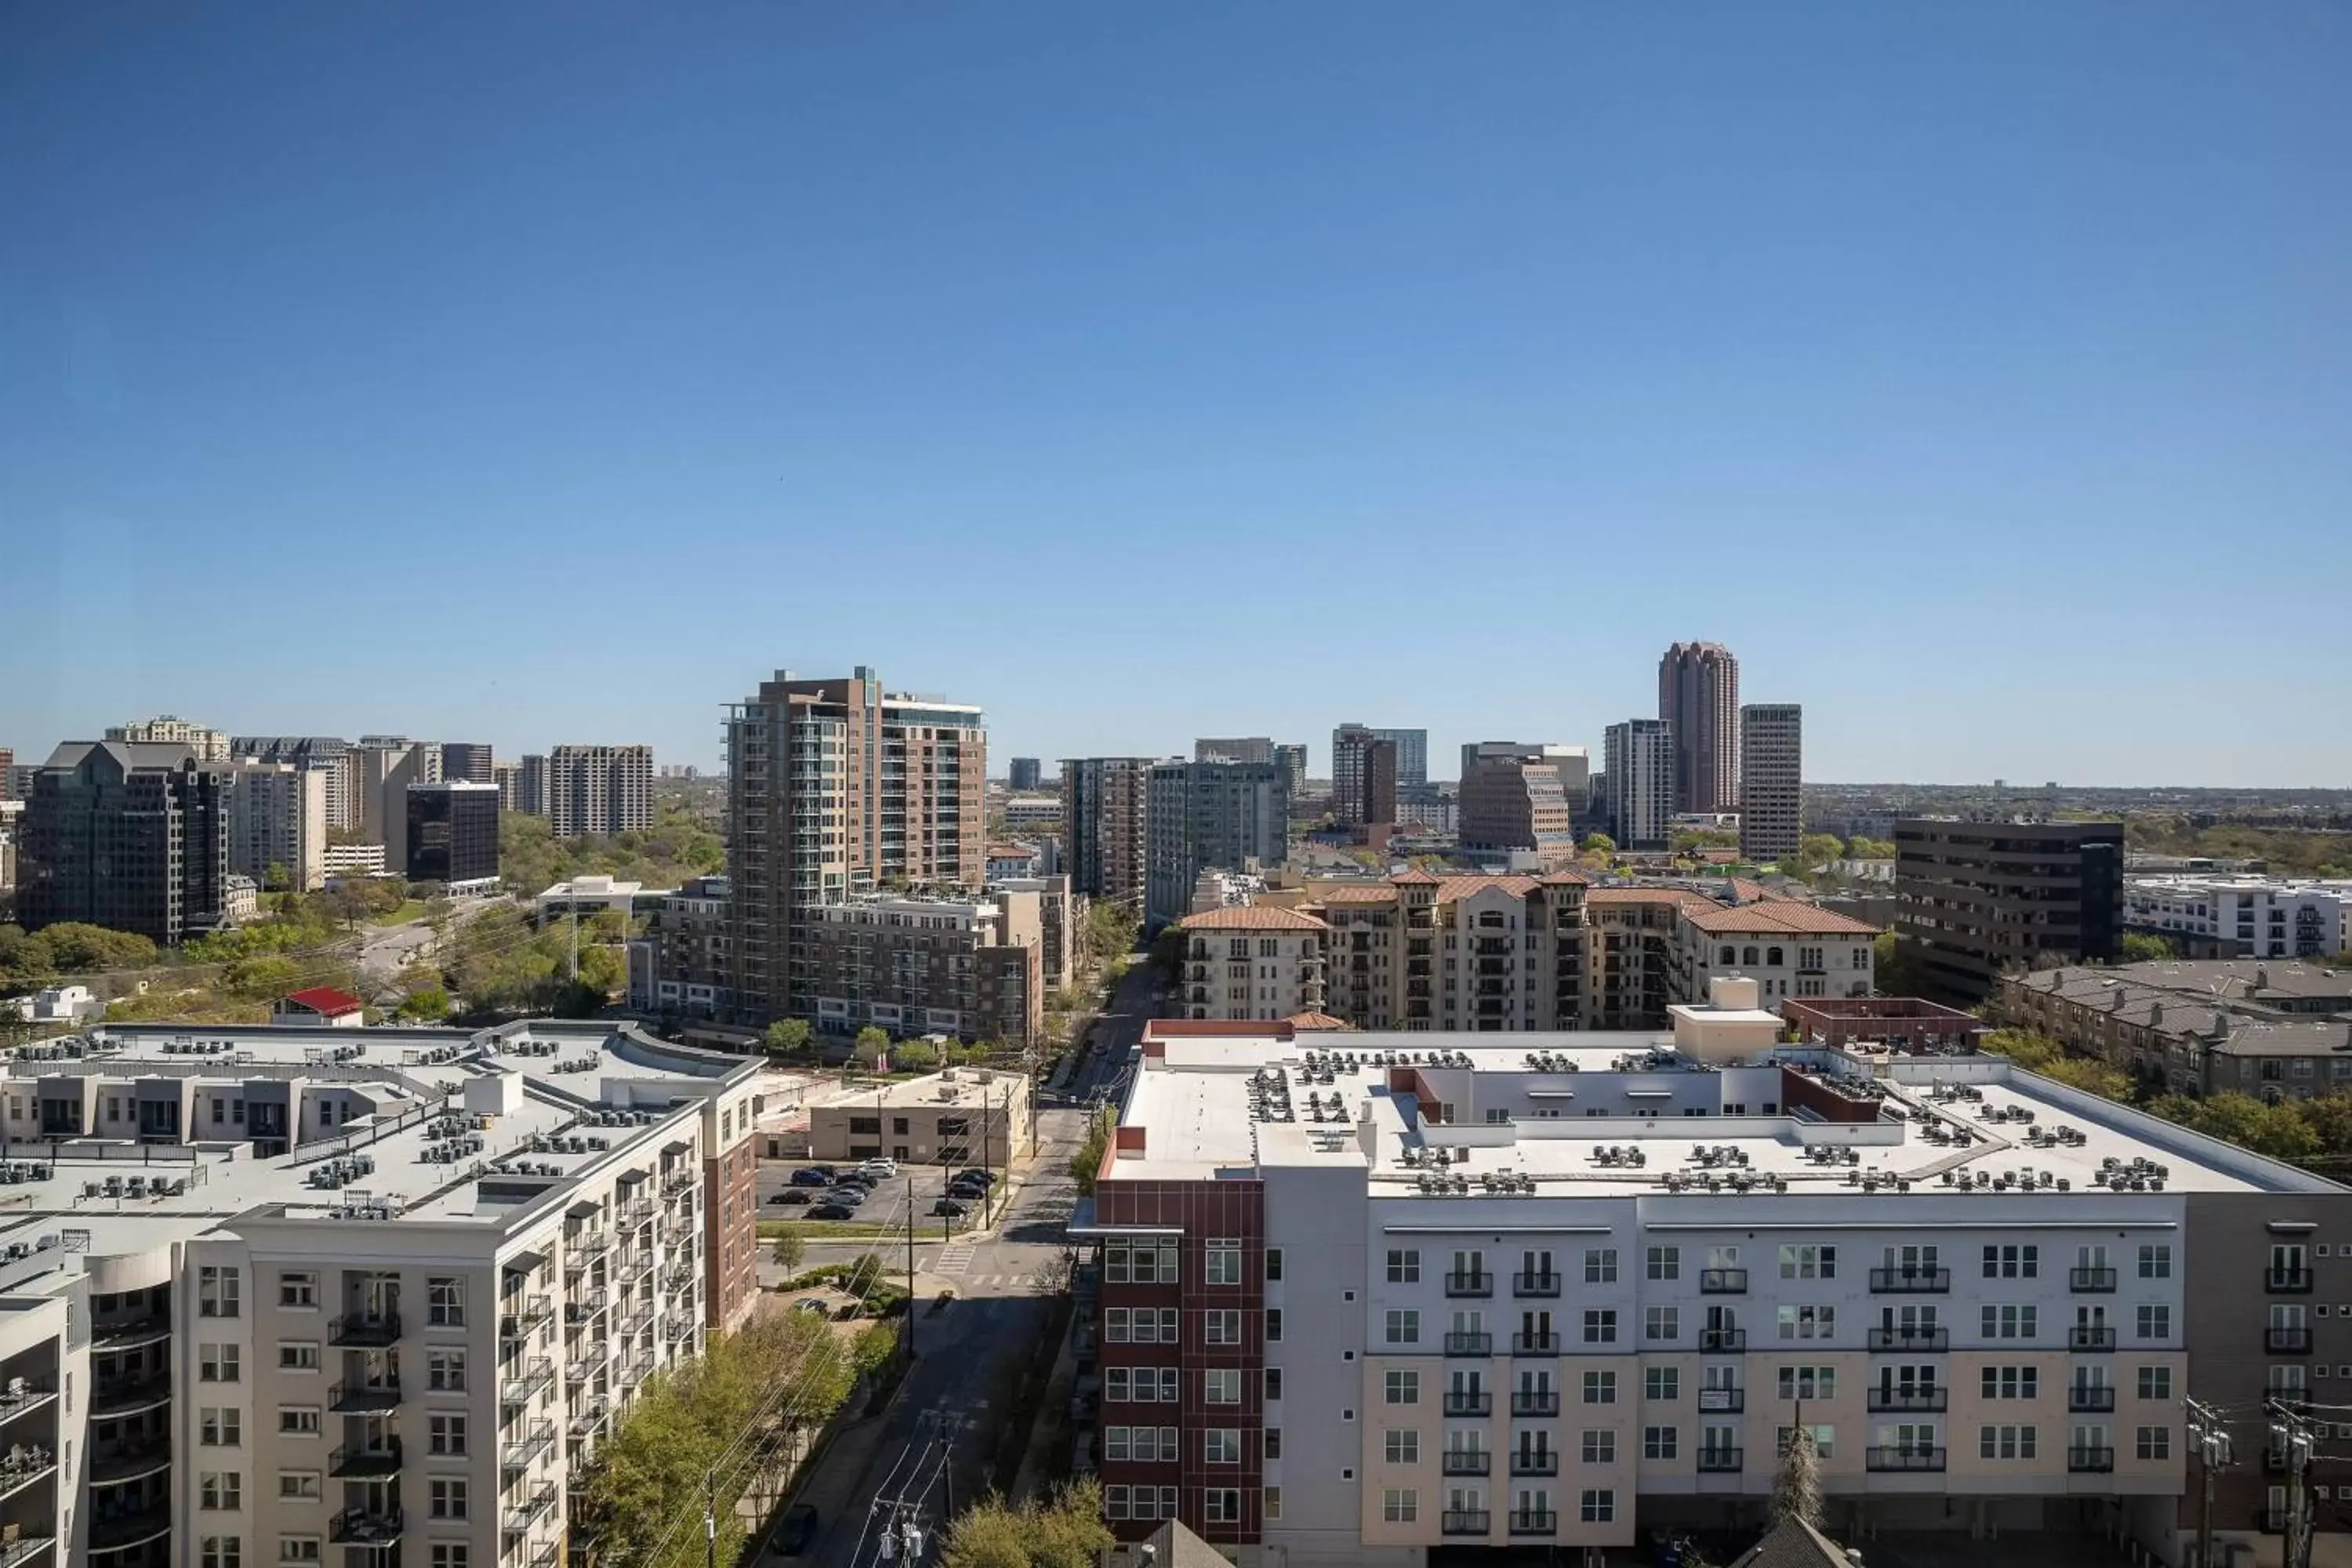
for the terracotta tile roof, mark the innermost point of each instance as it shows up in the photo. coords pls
(1252, 917)
(1564, 879)
(1416, 877)
(1778, 915)
(1451, 888)
(1649, 896)
(1381, 894)
(326, 1001)
(1304, 1021)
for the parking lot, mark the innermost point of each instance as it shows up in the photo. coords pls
(887, 1206)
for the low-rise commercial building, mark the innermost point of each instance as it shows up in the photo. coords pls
(593, 893)
(960, 1117)
(2240, 916)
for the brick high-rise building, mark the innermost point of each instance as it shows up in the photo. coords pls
(836, 786)
(130, 835)
(1698, 697)
(1771, 779)
(600, 789)
(1348, 743)
(1379, 802)
(1975, 899)
(1103, 826)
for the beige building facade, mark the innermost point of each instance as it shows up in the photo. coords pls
(1253, 960)
(961, 1117)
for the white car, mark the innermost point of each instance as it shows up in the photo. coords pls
(878, 1167)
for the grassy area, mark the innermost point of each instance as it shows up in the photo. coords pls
(830, 1229)
(409, 910)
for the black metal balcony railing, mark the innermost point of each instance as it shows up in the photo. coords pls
(2085, 1398)
(522, 1314)
(1910, 1281)
(1529, 1462)
(1903, 1456)
(363, 1330)
(2286, 1342)
(1719, 1460)
(365, 1461)
(2287, 1281)
(1534, 1522)
(1469, 1284)
(1469, 1344)
(582, 1308)
(525, 1380)
(1890, 1401)
(2085, 1461)
(1525, 1284)
(1467, 1461)
(1723, 1281)
(117, 1334)
(120, 1395)
(1910, 1339)
(1534, 1403)
(1457, 1404)
(519, 1453)
(2090, 1337)
(363, 1398)
(112, 1529)
(112, 1466)
(2091, 1281)
(1723, 1341)
(1535, 1344)
(1465, 1521)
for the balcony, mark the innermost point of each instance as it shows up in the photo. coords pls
(2286, 1342)
(1538, 1402)
(1467, 1461)
(126, 1395)
(519, 1319)
(1910, 1281)
(679, 1181)
(1477, 1403)
(1469, 1344)
(1719, 1460)
(363, 1398)
(1469, 1284)
(2287, 1281)
(2090, 1461)
(365, 1331)
(521, 1518)
(122, 1334)
(1465, 1521)
(117, 1528)
(1529, 1462)
(1891, 1401)
(1534, 1522)
(584, 1308)
(365, 1461)
(2086, 1398)
(1723, 1281)
(2091, 1281)
(112, 1466)
(1722, 1341)
(519, 1454)
(586, 1417)
(630, 1215)
(1535, 1344)
(1914, 1338)
(590, 1362)
(1535, 1284)
(587, 1245)
(24, 1549)
(2090, 1337)
(365, 1526)
(517, 1386)
(1909, 1456)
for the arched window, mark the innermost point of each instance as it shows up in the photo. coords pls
(1747, 956)
(1731, 954)
(1200, 948)
(1772, 956)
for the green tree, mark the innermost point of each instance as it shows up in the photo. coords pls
(261, 979)
(1815, 850)
(1110, 932)
(1067, 1532)
(1087, 1161)
(2094, 1077)
(873, 1043)
(1598, 843)
(787, 1038)
(915, 1055)
(426, 1004)
(788, 1251)
(2146, 947)
(74, 947)
(1168, 953)
(278, 878)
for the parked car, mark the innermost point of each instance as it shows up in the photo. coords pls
(847, 1197)
(985, 1178)
(832, 1211)
(879, 1167)
(814, 1176)
(798, 1532)
(812, 1304)
(963, 1188)
(954, 1206)
(793, 1196)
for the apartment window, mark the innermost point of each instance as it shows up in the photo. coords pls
(1403, 1326)
(1597, 1505)
(1661, 1323)
(221, 1551)
(2005, 1442)
(2155, 1261)
(1664, 1262)
(1404, 1265)
(1221, 1446)
(2154, 1322)
(1221, 1326)
(218, 1490)
(1273, 1264)
(1807, 1322)
(1273, 1508)
(2006, 1322)
(1115, 1383)
(1219, 1385)
(1661, 1382)
(1600, 1388)
(1402, 1387)
(297, 1549)
(2010, 1382)
(1274, 1442)
(1224, 1262)
(221, 1428)
(1401, 1446)
(217, 1293)
(1600, 1326)
(446, 1498)
(220, 1363)
(298, 1288)
(2155, 1442)
(1600, 1266)
(297, 1355)
(1274, 1383)
(1224, 1505)
(1808, 1383)
(1660, 1442)
(298, 1420)
(1598, 1446)
(2011, 1262)
(1809, 1262)
(445, 1302)
(444, 1370)
(1400, 1505)
(445, 1435)
(1273, 1324)
(298, 1486)
(2155, 1382)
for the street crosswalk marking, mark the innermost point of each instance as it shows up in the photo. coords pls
(954, 1260)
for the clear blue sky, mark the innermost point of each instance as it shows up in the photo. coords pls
(1981, 374)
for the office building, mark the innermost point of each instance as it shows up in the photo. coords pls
(600, 789)
(1518, 798)
(11, 812)
(353, 860)
(1362, 1299)
(7, 774)
(1771, 781)
(1377, 802)
(130, 835)
(1638, 767)
(1292, 760)
(679, 967)
(508, 776)
(1024, 774)
(2239, 916)
(972, 967)
(837, 787)
(293, 1295)
(1235, 749)
(1977, 899)
(324, 754)
(1698, 701)
(1103, 826)
(1253, 960)
(382, 767)
(959, 1118)
(277, 826)
(1203, 815)
(452, 834)
(1348, 744)
(1029, 815)
(469, 761)
(207, 745)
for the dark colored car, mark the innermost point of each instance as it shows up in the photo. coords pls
(793, 1196)
(813, 1177)
(798, 1532)
(986, 1178)
(832, 1211)
(955, 1206)
(960, 1188)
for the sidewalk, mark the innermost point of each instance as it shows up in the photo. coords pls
(832, 1470)
(1041, 1463)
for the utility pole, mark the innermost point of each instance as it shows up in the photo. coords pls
(710, 1518)
(910, 1265)
(2294, 1437)
(2211, 1440)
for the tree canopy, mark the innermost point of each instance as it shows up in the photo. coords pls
(1067, 1532)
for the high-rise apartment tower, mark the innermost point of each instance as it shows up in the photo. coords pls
(600, 789)
(1102, 828)
(1771, 777)
(1699, 697)
(1638, 760)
